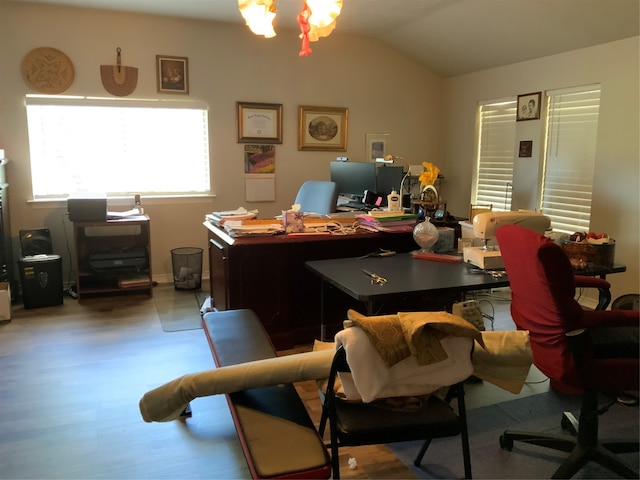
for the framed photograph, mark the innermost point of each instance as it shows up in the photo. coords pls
(259, 122)
(526, 148)
(377, 146)
(172, 74)
(529, 106)
(322, 128)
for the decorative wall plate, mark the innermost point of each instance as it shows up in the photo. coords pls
(47, 70)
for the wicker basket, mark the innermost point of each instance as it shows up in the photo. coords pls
(586, 255)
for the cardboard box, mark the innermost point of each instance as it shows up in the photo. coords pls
(5, 302)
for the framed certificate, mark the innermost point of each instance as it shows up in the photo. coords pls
(259, 122)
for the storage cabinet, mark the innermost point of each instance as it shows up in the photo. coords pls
(113, 256)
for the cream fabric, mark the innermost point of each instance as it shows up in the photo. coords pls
(371, 379)
(505, 362)
(166, 402)
(506, 359)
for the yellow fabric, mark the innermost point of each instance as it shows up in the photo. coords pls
(399, 336)
(506, 359)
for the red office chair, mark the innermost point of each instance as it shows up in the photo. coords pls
(575, 348)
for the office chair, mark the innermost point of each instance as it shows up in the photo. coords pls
(570, 345)
(317, 197)
(354, 423)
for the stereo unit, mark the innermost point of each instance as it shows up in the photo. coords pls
(87, 209)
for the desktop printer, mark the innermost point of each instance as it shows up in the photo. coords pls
(118, 262)
(485, 226)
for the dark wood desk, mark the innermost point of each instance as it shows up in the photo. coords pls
(267, 274)
(411, 283)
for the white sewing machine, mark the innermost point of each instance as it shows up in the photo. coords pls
(485, 226)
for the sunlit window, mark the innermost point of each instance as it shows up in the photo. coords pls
(117, 146)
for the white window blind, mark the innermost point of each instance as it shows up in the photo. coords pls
(117, 146)
(570, 157)
(496, 144)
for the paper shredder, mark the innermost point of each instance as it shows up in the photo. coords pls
(41, 278)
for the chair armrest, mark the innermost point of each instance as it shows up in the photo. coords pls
(603, 286)
(583, 281)
(611, 318)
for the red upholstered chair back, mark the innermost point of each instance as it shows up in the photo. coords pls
(543, 291)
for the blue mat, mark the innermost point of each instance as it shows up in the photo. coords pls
(542, 412)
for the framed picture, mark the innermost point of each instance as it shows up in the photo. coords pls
(172, 74)
(526, 148)
(377, 146)
(322, 128)
(260, 158)
(259, 122)
(528, 106)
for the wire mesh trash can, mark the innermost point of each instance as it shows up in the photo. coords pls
(187, 268)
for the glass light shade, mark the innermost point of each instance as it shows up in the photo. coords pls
(259, 15)
(425, 235)
(323, 17)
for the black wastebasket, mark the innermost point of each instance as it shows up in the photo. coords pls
(187, 268)
(41, 279)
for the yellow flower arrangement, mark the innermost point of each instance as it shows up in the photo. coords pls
(430, 174)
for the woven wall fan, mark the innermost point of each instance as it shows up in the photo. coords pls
(118, 80)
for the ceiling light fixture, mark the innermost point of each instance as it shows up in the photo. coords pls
(317, 19)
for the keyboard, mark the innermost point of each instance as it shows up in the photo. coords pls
(350, 206)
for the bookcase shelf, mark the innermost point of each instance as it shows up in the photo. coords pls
(113, 237)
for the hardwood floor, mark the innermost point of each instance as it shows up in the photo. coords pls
(71, 377)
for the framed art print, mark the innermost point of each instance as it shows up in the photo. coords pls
(322, 128)
(172, 74)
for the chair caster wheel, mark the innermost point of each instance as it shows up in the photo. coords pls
(506, 443)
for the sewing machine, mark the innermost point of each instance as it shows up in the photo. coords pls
(485, 226)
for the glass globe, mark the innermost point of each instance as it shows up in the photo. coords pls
(425, 235)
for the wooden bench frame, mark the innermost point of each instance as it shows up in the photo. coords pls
(278, 438)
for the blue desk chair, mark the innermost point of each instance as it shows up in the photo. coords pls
(318, 197)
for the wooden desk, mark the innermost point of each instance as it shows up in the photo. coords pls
(411, 283)
(267, 274)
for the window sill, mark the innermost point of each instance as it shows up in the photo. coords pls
(119, 201)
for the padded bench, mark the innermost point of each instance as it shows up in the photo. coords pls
(278, 437)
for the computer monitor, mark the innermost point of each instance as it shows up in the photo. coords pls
(388, 178)
(353, 178)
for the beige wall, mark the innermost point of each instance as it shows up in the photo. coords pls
(384, 92)
(616, 202)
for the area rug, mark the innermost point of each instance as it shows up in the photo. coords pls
(538, 413)
(179, 310)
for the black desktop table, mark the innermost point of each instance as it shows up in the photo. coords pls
(406, 277)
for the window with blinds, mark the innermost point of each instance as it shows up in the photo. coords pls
(572, 126)
(496, 151)
(117, 146)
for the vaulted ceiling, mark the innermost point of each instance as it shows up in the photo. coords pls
(449, 37)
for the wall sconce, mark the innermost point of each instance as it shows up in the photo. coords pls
(317, 19)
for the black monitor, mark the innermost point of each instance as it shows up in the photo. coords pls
(353, 178)
(388, 178)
